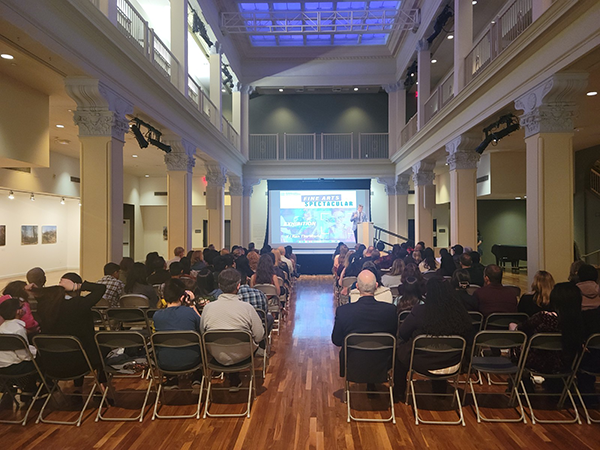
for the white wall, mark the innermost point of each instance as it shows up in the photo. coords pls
(258, 211)
(379, 205)
(131, 195)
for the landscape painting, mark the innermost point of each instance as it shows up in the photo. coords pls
(49, 234)
(29, 234)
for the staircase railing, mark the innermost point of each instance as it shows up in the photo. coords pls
(377, 237)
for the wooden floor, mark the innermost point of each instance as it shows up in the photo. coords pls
(299, 406)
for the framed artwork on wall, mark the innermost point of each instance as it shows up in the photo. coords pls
(2, 235)
(29, 234)
(49, 234)
(165, 234)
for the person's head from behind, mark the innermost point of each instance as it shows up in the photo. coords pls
(461, 279)
(289, 250)
(112, 269)
(416, 255)
(197, 256)
(420, 246)
(574, 269)
(360, 249)
(566, 300)
(16, 289)
(251, 247)
(411, 288)
(370, 265)
(366, 283)
(36, 276)
(475, 257)
(186, 265)
(10, 309)
(542, 286)
(343, 250)
(444, 252)
(492, 274)
(380, 246)
(137, 275)
(205, 282)
(229, 281)
(369, 251)
(266, 249)
(176, 269)
(179, 252)
(587, 272)
(397, 267)
(174, 290)
(150, 258)
(74, 278)
(243, 266)
(126, 264)
(465, 260)
(281, 250)
(457, 249)
(158, 264)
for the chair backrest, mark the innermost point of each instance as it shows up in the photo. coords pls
(134, 301)
(62, 357)
(102, 304)
(515, 289)
(175, 339)
(280, 281)
(268, 289)
(12, 343)
(348, 281)
(429, 275)
(501, 321)
(550, 342)
(450, 349)
(159, 288)
(593, 342)
(476, 320)
(472, 288)
(502, 339)
(98, 318)
(362, 344)
(131, 316)
(228, 342)
(403, 315)
(263, 318)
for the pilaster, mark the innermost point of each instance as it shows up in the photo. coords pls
(423, 177)
(216, 176)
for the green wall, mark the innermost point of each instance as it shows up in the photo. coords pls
(501, 222)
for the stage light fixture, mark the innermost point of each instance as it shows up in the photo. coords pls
(139, 137)
(164, 147)
(494, 132)
(32, 197)
(11, 195)
(440, 22)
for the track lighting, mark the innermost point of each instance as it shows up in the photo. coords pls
(495, 132)
(152, 136)
(139, 137)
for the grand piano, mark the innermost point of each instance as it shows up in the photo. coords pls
(510, 253)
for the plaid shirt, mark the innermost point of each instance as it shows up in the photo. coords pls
(114, 290)
(253, 296)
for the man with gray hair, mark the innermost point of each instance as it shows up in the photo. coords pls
(366, 315)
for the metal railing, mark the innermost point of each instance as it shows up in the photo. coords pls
(337, 145)
(440, 97)
(377, 236)
(595, 181)
(162, 56)
(300, 146)
(230, 133)
(409, 130)
(132, 24)
(511, 22)
(264, 147)
(373, 146)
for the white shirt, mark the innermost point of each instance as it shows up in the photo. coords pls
(289, 263)
(17, 327)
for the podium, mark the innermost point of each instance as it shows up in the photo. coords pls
(366, 233)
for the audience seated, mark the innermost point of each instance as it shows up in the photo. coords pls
(253, 258)
(394, 277)
(159, 272)
(243, 266)
(411, 270)
(385, 262)
(461, 281)
(228, 312)
(476, 270)
(179, 253)
(588, 284)
(206, 290)
(197, 261)
(457, 250)
(411, 295)
(573, 278)
(493, 297)
(447, 264)
(15, 363)
(382, 293)
(256, 298)
(285, 260)
(125, 266)
(343, 251)
(179, 315)
(137, 284)
(114, 286)
(265, 272)
(19, 290)
(364, 316)
(539, 298)
(440, 315)
(289, 254)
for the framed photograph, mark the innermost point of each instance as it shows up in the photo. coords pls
(165, 234)
(29, 234)
(2, 235)
(48, 234)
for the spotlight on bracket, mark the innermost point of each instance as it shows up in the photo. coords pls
(139, 137)
(164, 147)
(504, 126)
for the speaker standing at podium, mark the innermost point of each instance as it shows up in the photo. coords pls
(358, 216)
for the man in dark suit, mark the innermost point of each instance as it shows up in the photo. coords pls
(366, 315)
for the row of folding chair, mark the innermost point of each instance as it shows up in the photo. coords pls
(128, 301)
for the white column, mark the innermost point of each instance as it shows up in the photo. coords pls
(463, 40)
(180, 165)
(236, 189)
(463, 159)
(216, 82)
(423, 178)
(241, 111)
(215, 203)
(179, 41)
(424, 80)
(402, 188)
(539, 7)
(396, 114)
(549, 109)
(390, 190)
(101, 118)
(249, 183)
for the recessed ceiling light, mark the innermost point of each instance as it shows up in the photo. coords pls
(223, 90)
(355, 89)
(433, 61)
(135, 156)
(517, 198)
(450, 36)
(474, 2)
(591, 93)
(147, 176)
(60, 126)
(6, 56)
(280, 90)
(493, 21)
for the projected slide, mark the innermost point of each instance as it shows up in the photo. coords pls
(316, 216)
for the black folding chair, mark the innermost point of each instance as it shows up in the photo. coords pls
(134, 301)
(267, 340)
(499, 365)
(170, 340)
(402, 316)
(270, 291)
(426, 348)
(111, 340)
(550, 342)
(132, 318)
(233, 342)
(15, 343)
(63, 358)
(588, 364)
(501, 321)
(356, 347)
(99, 320)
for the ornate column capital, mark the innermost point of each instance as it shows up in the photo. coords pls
(249, 184)
(550, 106)
(422, 45)
(394, 87)
(423, 173)
(389, 184)
(243, 88)
(182, 156)
(100, 110)
(236, 187)
(402, 184)
(461, 152)
(216, 175)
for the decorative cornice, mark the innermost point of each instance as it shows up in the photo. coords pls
(100, 110)
(402, 184)
(216, 175)
(423, 173)
(249, 184)
(236, 188)
(389, 184)
(243, 88)
(179, 161)
(550, 106)
(461, 152)
(394, 87)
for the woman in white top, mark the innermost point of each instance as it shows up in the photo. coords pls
(394, 277)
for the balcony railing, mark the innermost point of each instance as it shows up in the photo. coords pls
(230, 133)
(409, 130)
(440, 97)
(315, 146)
(510, 24)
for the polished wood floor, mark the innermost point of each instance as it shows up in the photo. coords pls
(299, 406)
